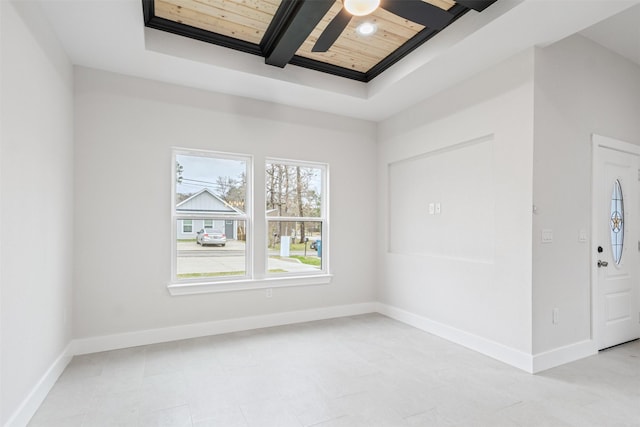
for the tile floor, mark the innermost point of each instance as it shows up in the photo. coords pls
(349, 372)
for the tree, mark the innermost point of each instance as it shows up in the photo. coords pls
(223, 184)
(236, 194)
(181, 197)
(233, 190)
(179, 170)
(289, 193)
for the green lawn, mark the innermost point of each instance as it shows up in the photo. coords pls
(310, 260)
(216, 274)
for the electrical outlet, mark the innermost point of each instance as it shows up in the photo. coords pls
(269, 292)
(432, 208)
(554, 315)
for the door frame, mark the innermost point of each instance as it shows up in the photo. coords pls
(598, 142)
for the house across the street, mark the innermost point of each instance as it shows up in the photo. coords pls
(206, 202)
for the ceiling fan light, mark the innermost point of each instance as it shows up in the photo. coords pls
(361, 7)
(366, 29)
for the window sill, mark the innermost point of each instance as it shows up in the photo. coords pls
(177, 289)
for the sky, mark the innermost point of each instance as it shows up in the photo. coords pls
(208, 169)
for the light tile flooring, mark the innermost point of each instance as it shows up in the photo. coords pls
(349, 372)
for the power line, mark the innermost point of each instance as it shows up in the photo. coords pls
(194, 185)
(203, 182)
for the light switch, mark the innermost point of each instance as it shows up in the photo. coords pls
(547, 236)
(437, 208)
(432, 208)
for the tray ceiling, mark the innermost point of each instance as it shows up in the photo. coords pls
(286, 31)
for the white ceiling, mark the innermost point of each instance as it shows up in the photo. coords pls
(620, 33)
(110, 35)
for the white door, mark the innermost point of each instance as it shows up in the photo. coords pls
(617, 241)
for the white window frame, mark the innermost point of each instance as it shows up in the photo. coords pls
(204, 223)
(255, 278)
(176, 216)
(323, 218)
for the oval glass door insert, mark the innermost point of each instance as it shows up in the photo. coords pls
(617, 222)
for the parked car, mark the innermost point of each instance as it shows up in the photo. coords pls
(210, 236)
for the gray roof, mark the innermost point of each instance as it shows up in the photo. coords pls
(207, 202)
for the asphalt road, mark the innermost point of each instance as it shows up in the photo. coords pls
(232, 248)
(194, 253)
(193, 258)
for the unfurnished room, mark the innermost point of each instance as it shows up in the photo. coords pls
(327, 213)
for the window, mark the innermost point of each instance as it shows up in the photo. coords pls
(617, 222)
(296, 217)
(214, 248)
(210, 210)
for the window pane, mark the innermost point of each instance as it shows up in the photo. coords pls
(294, 191)
(212, 252)
(187, 226)
(617, 222)
(210, 185)
(294, 246)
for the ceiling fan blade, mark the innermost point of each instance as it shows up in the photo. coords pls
(332, 31)
(419, 12)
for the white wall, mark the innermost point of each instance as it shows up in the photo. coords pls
(36, 182)
(474, 273)
(125, 128)
(580, 88)
(517, 142)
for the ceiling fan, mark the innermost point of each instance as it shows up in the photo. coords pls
(417, 11)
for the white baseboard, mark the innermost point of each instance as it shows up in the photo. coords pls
(560, 356)
(508, 355)
(490, 348)
(173, 333)
(32, 402)
(34, 399)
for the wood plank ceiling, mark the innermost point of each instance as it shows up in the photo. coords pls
(285, 31)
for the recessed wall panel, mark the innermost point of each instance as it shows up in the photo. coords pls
(442, 203)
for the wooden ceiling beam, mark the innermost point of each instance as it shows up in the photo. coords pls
(300, 20)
